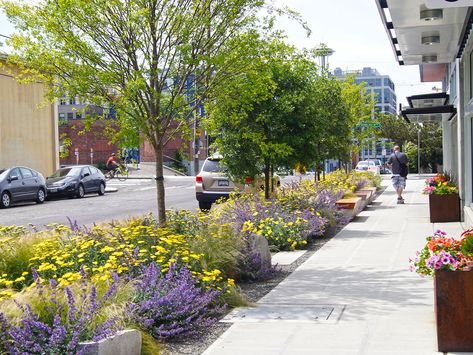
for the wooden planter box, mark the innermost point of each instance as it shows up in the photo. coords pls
(444, 208)
(454, 310)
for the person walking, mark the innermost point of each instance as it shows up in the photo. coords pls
(398, 163)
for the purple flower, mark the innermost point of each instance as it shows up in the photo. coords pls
(59, 331)
(171, 304)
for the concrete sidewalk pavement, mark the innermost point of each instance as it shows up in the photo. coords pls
(353, 296)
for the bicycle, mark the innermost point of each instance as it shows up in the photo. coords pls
(121, 173)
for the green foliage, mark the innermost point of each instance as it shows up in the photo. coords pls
(360, 105)
(280, 111)
(411, 151)
(149, 345)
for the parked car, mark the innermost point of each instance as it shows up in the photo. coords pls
(212, 184)
(368, 165)
(76, 180)
(20, 183)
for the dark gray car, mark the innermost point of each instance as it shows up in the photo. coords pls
(76, 180)
(20, 183)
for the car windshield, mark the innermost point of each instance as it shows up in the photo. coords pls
(362, 163)
(74, 171)
(212, 166)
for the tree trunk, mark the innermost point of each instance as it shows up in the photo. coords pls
(160, 185)
(271, 173)
(266, 180)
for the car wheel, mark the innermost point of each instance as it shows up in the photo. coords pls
(80, 191)
(40, 196)
(102, 189)
(5, 200)
(205, 206)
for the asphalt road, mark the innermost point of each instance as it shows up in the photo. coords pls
(134, 197)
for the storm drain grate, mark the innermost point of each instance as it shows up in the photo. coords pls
(284, 312)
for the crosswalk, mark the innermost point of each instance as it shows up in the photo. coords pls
(144, 185)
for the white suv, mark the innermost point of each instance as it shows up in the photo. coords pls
(212, 184)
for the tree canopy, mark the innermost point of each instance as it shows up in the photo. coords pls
(151, 60)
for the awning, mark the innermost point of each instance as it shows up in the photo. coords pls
(429, 114)
(422, 35)
(428, 100)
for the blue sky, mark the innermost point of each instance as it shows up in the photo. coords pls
(353, 29)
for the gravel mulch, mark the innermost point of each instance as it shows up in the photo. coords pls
(253, 291)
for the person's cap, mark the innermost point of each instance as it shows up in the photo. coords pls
(113, 154)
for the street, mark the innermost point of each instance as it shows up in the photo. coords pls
(134, 197)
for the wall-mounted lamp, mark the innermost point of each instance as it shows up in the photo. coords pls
(429, 58)
(430, 38)
(431, 14)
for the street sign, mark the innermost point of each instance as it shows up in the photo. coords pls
(370, 124)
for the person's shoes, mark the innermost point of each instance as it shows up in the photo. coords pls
(400, 201)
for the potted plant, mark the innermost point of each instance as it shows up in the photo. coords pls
(444, 201)
(450, 261)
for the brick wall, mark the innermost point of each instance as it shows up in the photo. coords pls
(96, 139)
(84, 141)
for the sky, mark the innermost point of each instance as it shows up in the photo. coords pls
(353, 29)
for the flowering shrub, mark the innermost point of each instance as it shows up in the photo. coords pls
(170, 304)
(441, 184)
(444, 253)
(349, 182)
(120, 249)
(60, 327)
(284, 228)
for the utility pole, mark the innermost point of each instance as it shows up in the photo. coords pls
(418, 151)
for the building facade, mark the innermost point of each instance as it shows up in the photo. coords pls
(437, 36)
(381, 87)
(28, 123)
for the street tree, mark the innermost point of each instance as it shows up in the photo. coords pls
(396, 129)
(150, 60)
(259, 119)
(360, 106)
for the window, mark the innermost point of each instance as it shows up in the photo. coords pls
(72, 101)
(62, 116)
(78, 115)
(70, 116)
(85, 171)
(15, 173)
(62, 101)
(26, 173)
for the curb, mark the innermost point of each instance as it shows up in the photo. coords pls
(111, 189)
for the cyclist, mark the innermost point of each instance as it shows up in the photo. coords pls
(112, 164)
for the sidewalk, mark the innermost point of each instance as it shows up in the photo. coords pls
(353, 296)
(148, 171)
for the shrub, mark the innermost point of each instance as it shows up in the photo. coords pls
(170, 304)
(60, 327)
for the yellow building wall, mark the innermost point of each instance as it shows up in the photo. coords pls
(28, 126)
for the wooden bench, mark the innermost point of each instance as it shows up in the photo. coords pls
(372, 191)
(351, 206)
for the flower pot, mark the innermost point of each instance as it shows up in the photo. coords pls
(454, 310)
(444, 208)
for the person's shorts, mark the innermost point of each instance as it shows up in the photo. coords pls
(399, 182)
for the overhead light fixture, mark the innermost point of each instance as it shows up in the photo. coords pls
(429, 58)
(431, 14)
(430, 38)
